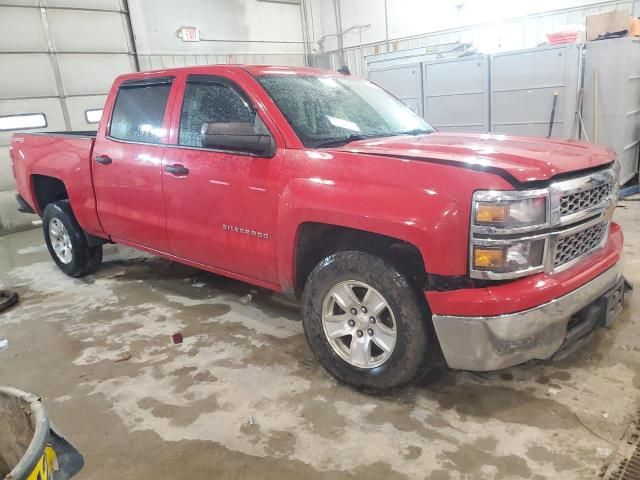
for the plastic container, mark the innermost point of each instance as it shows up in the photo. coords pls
(29, 447)
(557, 38)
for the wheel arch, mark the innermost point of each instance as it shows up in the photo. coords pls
(316, 240)
(46, 190)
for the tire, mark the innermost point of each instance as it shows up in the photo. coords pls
(74, 256)
(7, 299)
(415, 342)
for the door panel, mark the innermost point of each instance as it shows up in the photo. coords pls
(129, 193)
(223, 212)
(127, 165)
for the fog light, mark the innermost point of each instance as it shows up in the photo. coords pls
(488, 257)
(515, 257)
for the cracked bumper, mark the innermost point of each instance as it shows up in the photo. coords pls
(491, 343)
(538, 317)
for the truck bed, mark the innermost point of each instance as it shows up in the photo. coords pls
(72, 133)
(57, 157)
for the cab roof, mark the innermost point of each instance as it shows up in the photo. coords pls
(254, 70)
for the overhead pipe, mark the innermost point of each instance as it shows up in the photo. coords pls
(386, 25)
(338, 15)
(280, 42)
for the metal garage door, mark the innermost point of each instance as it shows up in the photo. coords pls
(456, 94)
(523, 84)
(403, 81)
(58, 59)
(612, 99)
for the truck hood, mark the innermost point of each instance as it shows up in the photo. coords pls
(526, 159)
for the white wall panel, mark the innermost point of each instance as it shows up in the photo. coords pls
(322, 23)
(157, 62)
(44, 79)
(411, 17)
(79, 105)
(155, 25)
(114, 5)
(363, 13)
(21, 30)
(28, 3)
(78, 30)
(49, 106)
(27, 75)
(86, 74)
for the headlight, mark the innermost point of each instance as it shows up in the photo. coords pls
(497, 209)
(515, 233)
(497, 217)
(510, 257)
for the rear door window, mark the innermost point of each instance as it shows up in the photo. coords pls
(138, 115)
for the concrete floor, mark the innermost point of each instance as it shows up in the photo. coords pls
(98, 350)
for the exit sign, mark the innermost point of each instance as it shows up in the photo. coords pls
(189, 34)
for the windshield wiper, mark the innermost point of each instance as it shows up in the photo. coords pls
(355, 137)
(344, 140)
(415, 131)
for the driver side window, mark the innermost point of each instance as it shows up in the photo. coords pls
(211, 102)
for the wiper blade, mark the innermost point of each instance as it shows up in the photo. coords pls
(355, 137)
(343, 140)
(415, 131)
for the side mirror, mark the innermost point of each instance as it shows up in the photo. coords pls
(237, 137)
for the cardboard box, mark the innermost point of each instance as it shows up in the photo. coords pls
(607, 22)
(634, 27)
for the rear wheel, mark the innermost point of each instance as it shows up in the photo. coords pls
(66, 241)
(365, 322)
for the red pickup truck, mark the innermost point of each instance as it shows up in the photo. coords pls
(399, 240)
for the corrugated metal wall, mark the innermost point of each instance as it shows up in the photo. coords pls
(510, 34)
(59, 58)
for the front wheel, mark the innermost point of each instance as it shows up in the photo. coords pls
(365, 323)
(66, 241)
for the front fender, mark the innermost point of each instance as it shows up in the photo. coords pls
(424, 203)
(432, 221)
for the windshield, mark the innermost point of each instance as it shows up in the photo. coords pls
(331, 111)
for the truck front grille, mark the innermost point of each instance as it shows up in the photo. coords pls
(573, 246)
(579, 211)
(576, 202)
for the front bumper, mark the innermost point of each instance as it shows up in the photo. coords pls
(494, 342)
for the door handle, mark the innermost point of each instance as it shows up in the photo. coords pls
(176, 169)
(103, 159)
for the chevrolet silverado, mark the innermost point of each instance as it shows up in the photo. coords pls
(400, 241)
